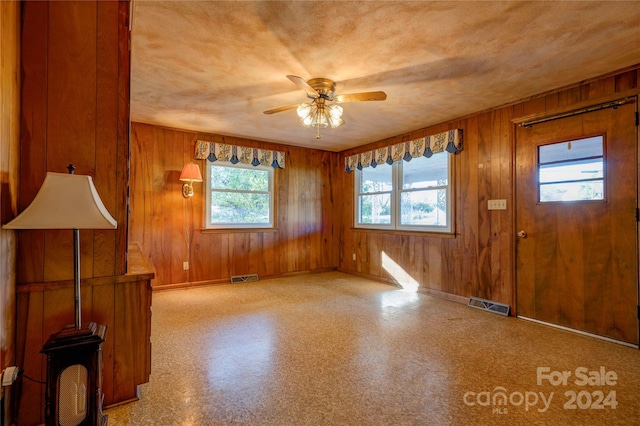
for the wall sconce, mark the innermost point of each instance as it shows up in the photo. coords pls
(190, 173)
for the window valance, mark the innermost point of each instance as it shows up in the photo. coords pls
(234, 154)
(450, 141)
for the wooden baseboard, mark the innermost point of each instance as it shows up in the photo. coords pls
(119, 403)
(221, 281)
(444, 295)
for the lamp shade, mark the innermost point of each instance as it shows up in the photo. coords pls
(65, 201)
(191, 173)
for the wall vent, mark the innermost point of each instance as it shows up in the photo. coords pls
(244, 278)
(487, 305)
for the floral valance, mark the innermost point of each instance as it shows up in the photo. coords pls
(450, 141)
(234, 154)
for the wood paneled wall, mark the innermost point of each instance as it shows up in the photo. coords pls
(75, 109)
(315, 205)
(75, 65)
(308, 218)
(480, 260)
(9, 149)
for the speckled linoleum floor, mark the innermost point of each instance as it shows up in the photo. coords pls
(334, 349)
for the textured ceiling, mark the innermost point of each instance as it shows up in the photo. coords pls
(215, 66)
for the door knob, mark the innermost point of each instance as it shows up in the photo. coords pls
(522, 234)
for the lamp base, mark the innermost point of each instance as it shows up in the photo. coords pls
(187, 190)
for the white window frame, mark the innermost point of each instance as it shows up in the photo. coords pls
(396, 196)
(207, 216)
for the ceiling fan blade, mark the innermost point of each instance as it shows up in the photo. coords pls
(361, 97)
(280, 109)
(299, 81)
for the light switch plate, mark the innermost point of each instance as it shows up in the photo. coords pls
(497, 204)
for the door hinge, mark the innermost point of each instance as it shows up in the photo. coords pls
(637, 215)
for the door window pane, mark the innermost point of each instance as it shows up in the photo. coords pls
(572, 170)
(577, 171)
(571, 150)
(572, 191)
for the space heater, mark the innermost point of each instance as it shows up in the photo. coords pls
(74, 377)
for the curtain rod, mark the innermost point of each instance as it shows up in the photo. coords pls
(597, 107)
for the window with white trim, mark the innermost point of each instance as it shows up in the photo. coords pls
(239, 196)
(407, 195)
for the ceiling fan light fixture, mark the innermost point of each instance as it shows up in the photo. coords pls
(320, 118)
(334, 114)
(335, 122)
(316, 116)
(303, 110)
(335, 110)
(318, 113)
(307, 113)
(307, 121)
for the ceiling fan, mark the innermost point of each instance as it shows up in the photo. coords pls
(323, 110)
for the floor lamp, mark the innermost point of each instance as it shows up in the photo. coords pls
(74, 357)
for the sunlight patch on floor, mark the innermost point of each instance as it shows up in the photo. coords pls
(404, 279)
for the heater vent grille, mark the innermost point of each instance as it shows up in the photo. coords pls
(487, 305)
(244, 278)
(72, 402)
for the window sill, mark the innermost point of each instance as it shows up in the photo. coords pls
(236, 230)
(430, 234)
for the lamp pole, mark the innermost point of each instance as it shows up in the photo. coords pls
(76, 267)
(76, 277)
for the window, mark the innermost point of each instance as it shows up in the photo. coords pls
(571, 171)
(408, 195)
(239, 196)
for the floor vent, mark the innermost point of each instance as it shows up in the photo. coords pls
(487, 305)
(244, 278)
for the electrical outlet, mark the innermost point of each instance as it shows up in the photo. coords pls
(497, 204)
(9, 375)
(354, 256)
(185, 266)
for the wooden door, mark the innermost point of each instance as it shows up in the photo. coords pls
(576, 260)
